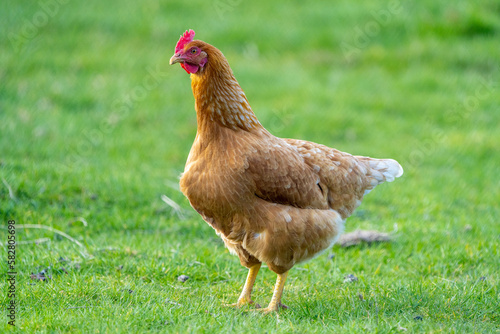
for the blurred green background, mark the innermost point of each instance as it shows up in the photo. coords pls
(95, 127)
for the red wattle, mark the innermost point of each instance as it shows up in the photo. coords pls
(190, 68)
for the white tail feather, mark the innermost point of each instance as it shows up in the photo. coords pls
(385, 170)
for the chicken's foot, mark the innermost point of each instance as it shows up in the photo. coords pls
(245, 297)
(275, 303)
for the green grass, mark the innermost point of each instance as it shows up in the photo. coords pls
(96, 127)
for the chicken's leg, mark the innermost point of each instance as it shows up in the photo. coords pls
(245, 297)
(275, 303)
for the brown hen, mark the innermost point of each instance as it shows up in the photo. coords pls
(272, 200)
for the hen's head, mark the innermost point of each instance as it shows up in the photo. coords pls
(189, 53)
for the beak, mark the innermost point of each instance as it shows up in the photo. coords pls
(176, 58)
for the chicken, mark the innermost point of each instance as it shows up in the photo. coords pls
(271, 200)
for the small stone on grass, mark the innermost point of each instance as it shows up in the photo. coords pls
(350, 278)
(182, 278)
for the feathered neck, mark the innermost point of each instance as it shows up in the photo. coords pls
(219, 99)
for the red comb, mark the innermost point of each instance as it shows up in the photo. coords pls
(185, 39)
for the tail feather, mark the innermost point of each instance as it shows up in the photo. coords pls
(381, 170)
(385, 170)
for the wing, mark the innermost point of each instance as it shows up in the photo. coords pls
(344, 178)
(309, 175)
(282, 176)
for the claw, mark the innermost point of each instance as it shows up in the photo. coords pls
(283, 306)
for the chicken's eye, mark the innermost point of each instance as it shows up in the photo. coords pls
(193, 51)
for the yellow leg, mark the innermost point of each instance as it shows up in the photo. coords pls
(245, 297)
(275, 303)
